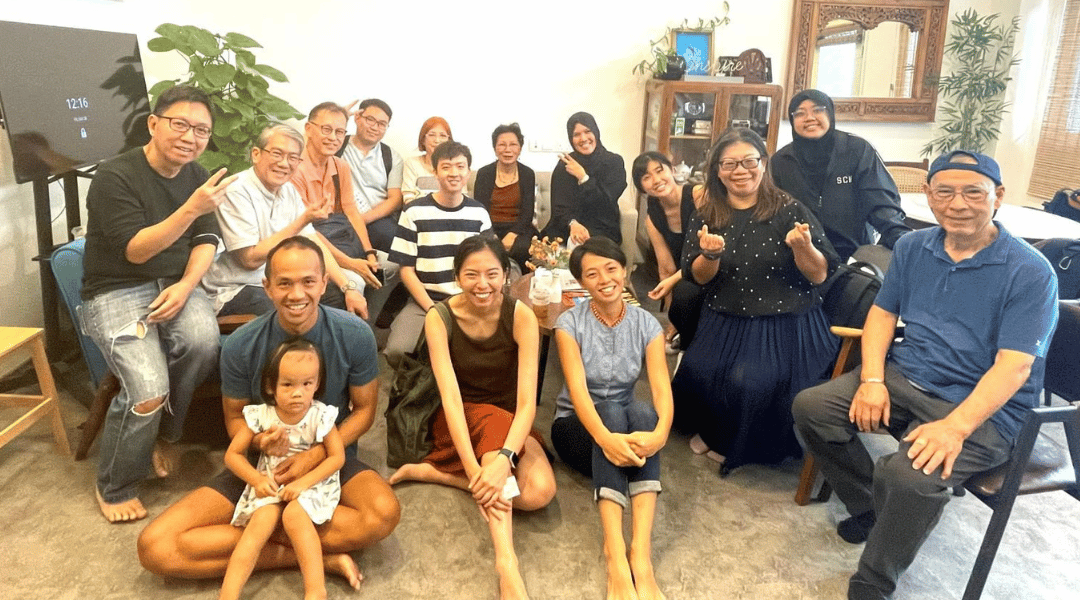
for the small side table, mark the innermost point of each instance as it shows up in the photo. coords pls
(43, 405)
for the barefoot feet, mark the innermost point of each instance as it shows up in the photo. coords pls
(698, 445)
(413, 472)
(644, 580)
(121, 512)
(165, 459)
(344, 566)
(511, 585)
(620, 584)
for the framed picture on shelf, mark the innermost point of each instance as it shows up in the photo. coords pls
(695, 47)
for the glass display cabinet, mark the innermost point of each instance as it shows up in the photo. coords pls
(684, 118)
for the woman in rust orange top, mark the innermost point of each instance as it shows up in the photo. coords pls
(507, 189)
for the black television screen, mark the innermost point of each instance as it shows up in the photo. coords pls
(69, 97)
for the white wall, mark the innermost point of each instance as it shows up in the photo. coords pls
(477, 64)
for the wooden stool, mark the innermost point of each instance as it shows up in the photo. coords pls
(31, 338)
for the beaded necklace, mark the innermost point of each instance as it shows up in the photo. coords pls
(599, 317)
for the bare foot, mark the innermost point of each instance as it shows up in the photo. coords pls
(321, 595)
(345, 566)
(132, 510)
(511, 585)
(413, 472)
(698, 445)
(165, 458)
(620, 585)
(644, 579)
(716, 457)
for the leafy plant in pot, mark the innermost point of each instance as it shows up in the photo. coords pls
(980, 52)
(225, 68)
(666, 62)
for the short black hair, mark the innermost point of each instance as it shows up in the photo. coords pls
(296, 241)
(272, 369)
(379, 104)
(513, 128)
(329, 107)
(450, 150)
(598, 245)
(641, 166)
(183, 93)
(478, 243)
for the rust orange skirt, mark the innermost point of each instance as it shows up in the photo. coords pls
(488, 427)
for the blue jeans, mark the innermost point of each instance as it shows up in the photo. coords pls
(619, 483)
(166, 360)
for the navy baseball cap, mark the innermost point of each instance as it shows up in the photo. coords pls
(983, 165)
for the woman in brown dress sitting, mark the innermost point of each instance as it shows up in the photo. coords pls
(486, 369)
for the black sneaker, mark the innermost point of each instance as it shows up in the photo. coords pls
(855, 530)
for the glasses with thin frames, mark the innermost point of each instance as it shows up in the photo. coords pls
(373, 122)
(971, 195)
(278, 156)
(747, 163)
(329, 130)
(802, 113)
(181, 126)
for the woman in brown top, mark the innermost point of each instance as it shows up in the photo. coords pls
(486, 369)
(507, 189)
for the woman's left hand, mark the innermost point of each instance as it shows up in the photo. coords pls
(487, 483)
(573, 167)
(646, 443)
(663, 288)
(799, 237)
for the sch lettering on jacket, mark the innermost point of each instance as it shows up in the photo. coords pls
(843, 179)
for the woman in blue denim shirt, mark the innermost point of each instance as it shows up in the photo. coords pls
(603, 344)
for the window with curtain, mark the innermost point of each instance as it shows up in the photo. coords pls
(1057, 163)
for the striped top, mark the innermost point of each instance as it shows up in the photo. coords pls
(428, 235)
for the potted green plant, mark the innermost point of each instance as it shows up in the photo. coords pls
(666, 62)
(225, 68)
(980, 52)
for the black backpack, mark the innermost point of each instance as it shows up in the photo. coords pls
(1059, 204)
(848, 295)
(1064, 256)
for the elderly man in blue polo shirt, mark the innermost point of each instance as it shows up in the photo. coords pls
(979, 307)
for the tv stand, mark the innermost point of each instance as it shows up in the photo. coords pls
(50, 303)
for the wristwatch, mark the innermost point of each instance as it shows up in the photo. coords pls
(511, 456)
(350, 286)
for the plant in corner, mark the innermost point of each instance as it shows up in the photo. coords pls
(666, 63)
(225, 68)
(980, 51)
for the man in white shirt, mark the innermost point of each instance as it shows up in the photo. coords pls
(261, 209)
(376, 172)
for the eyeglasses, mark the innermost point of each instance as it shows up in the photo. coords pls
(373, 122)
(802, 114)
(436, 135)
(746, 163)
(278, 156)
(329, 130)
(181, 126)
(971, 195)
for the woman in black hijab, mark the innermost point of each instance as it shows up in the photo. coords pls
(585, 186)
(839, 176)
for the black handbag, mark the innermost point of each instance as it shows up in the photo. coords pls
(414, 400)
(848, 295)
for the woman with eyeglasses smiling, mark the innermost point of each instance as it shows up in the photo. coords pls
(507, 189)
(418, 169)
(762, 336)
(839, 176)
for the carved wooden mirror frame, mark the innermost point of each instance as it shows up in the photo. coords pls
(928, 17)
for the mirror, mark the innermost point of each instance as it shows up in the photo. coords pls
(872, 58)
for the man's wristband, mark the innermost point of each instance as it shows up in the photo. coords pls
(371, 252)
(872, 380)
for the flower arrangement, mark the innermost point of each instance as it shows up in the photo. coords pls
(548, 254)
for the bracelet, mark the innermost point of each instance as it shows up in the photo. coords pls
(371, 252)
(872, 380)
(712, 255)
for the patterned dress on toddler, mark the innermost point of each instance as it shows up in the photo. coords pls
(319, 500)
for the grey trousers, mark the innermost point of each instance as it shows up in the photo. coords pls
(907, 502)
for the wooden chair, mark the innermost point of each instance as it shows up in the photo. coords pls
(908, 179)
(1039, 463)
(43, 405)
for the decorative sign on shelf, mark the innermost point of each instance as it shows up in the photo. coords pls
(752, 65)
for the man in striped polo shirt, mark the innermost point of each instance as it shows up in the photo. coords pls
(428, 233)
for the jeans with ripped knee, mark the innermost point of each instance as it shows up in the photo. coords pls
(162, 362)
